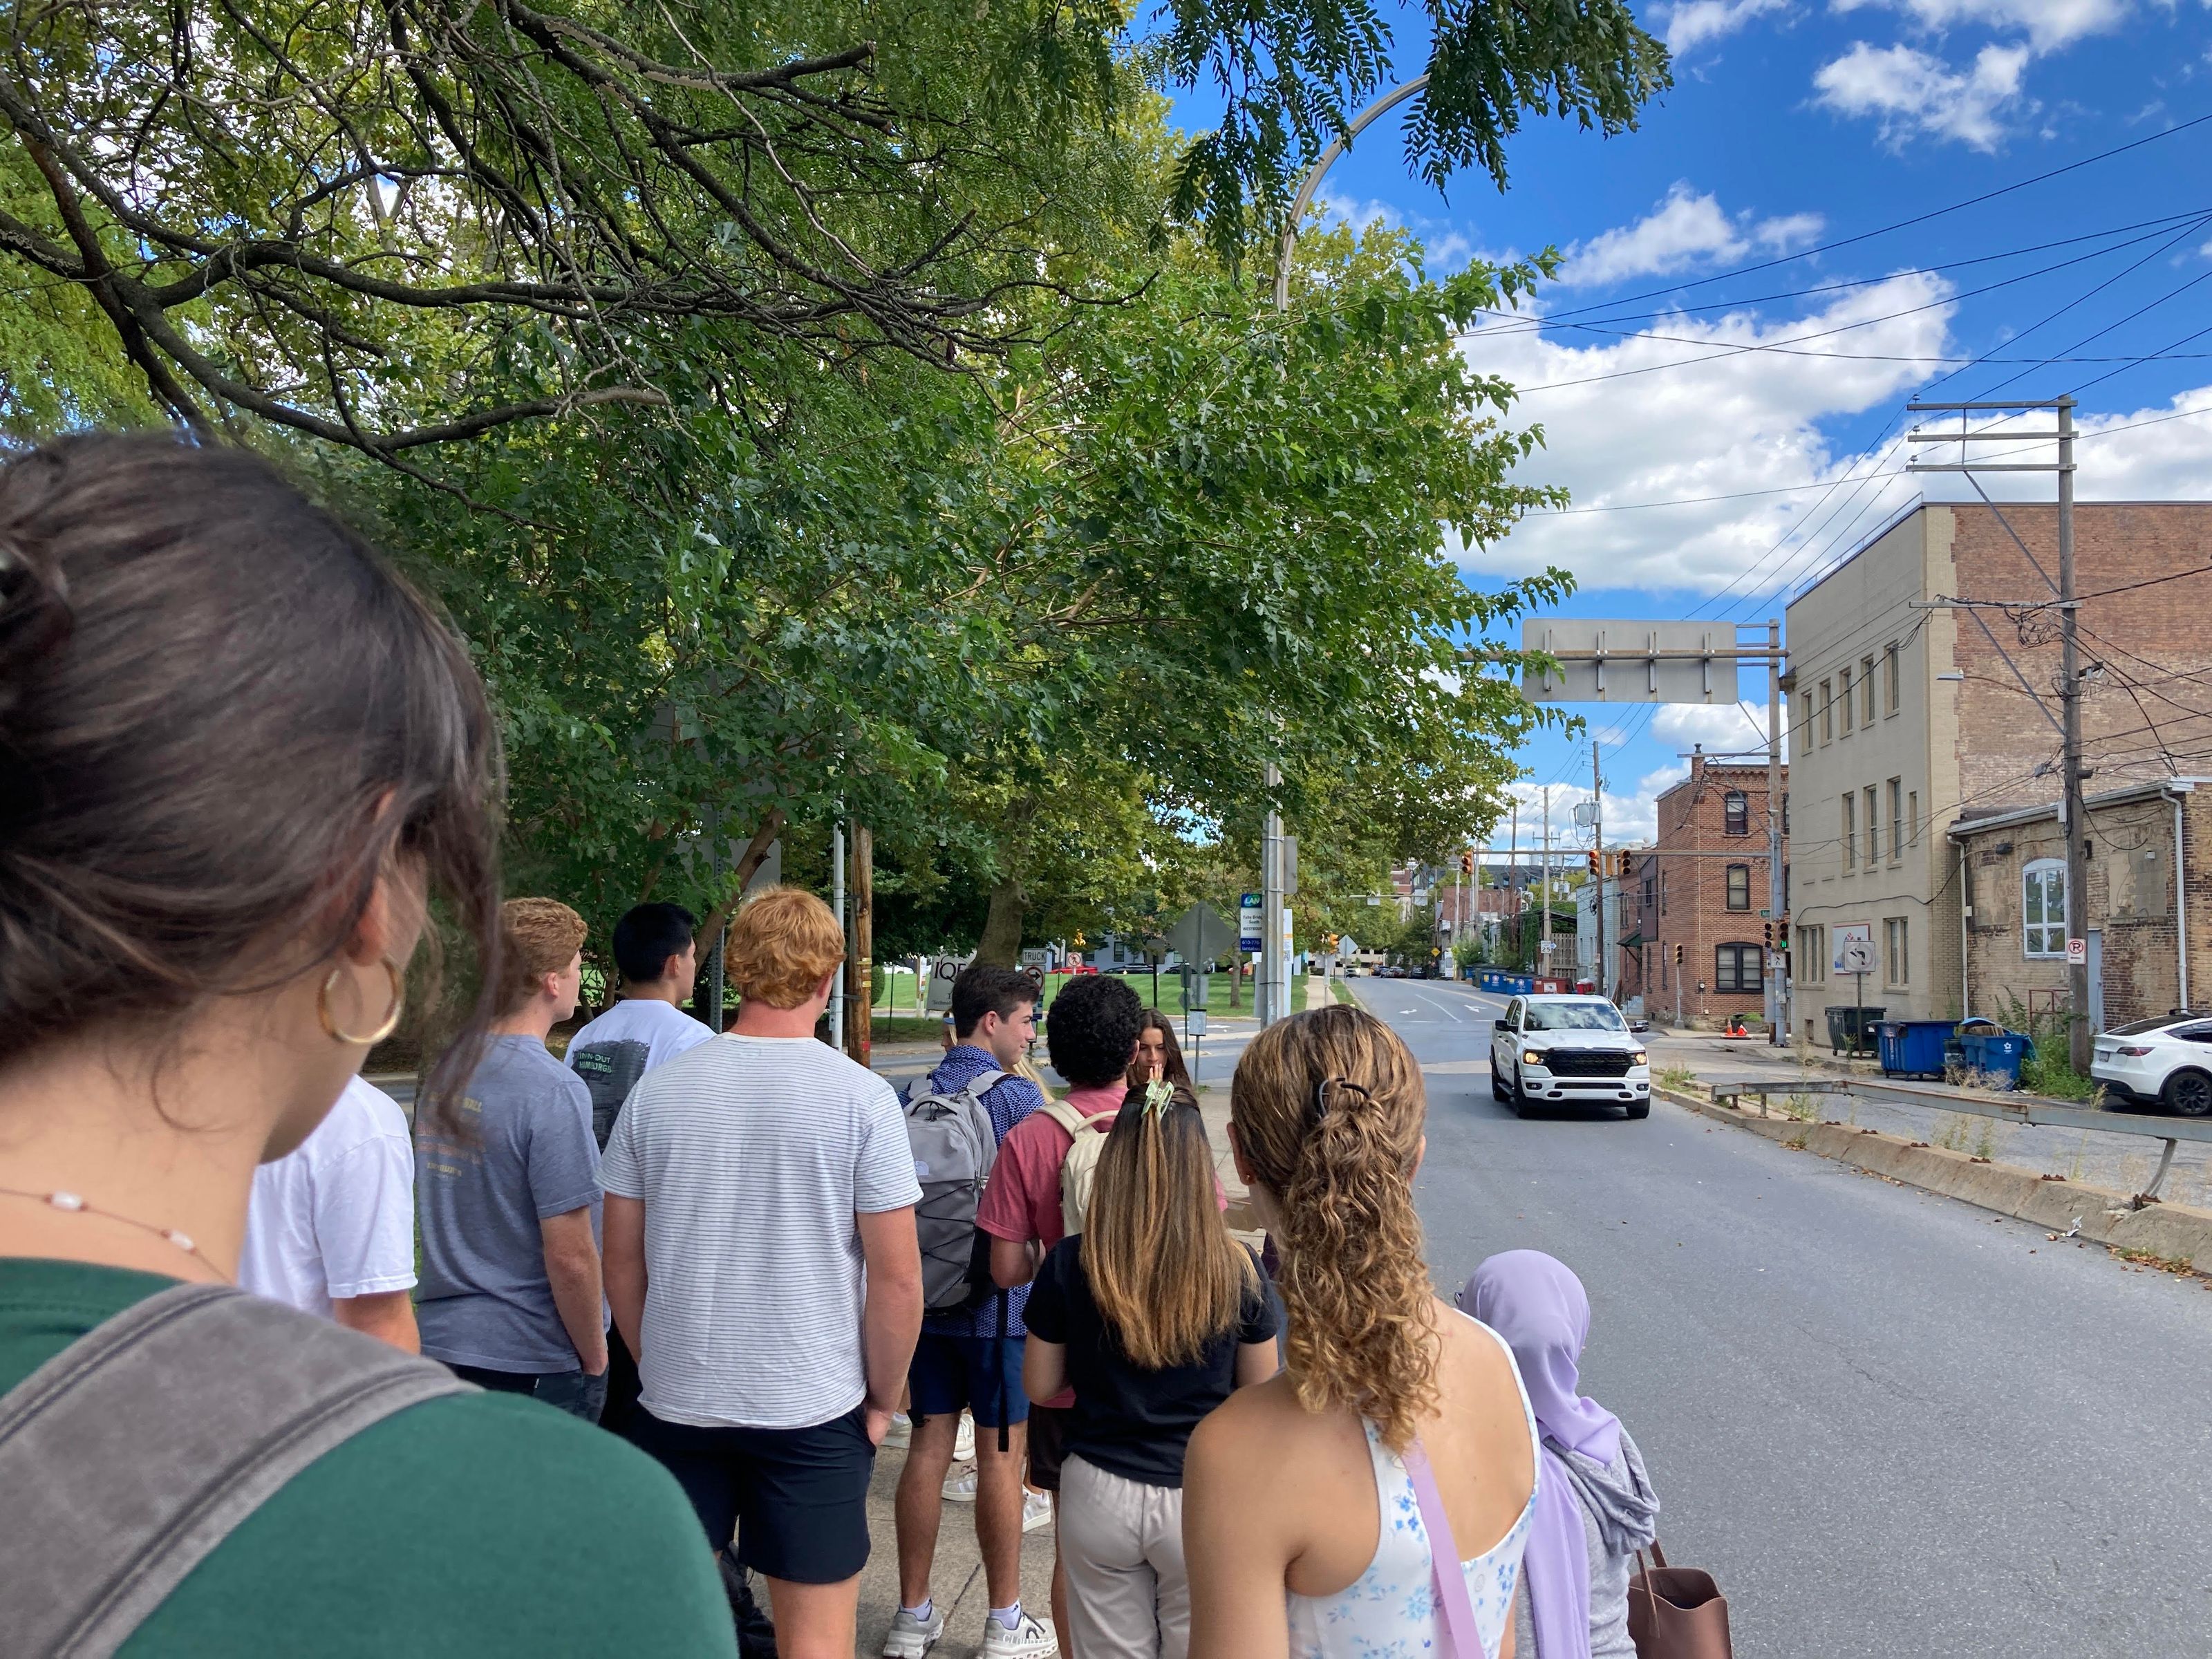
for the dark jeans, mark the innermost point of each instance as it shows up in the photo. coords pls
(569, 1391)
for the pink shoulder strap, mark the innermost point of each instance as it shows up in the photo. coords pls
(1453, 1601)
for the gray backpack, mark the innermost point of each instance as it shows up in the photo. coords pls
(954, 1146)
(130, 1455)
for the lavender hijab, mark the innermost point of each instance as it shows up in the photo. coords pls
(1537, 1305)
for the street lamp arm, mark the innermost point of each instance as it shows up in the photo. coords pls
(1311, 182)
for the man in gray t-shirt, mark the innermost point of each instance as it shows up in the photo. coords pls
(507, 1187)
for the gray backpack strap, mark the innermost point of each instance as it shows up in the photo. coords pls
(127, 1457)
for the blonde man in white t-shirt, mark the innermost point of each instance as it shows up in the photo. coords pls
(331, 1226)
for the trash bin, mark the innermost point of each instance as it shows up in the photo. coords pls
(1914, 1047)
(1995, 1055)
(1852, 1028)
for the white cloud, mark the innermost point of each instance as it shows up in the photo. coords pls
(2048, 24)
(1620, 428)
(1695, 23)
(1910, 93)
(1686, 230)
(1443, 247)
(1720, 728)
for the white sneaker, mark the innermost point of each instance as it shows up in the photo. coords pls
(1037, 1511)
(960, 1486)
(911, 1638)
(1033, 1638)
(963, 1442)
(901, 1432)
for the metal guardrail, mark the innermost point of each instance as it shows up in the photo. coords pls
(2022, 1109)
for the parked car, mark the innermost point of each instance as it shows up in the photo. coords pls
(1390, 971)
(1568, 1050)
(2167, 1060)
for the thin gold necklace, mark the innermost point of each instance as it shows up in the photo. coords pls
(71, 1203)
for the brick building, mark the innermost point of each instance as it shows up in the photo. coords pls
(1911, 712)
(1708, 906)
(2150, 944)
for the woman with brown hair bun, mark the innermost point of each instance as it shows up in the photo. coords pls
(1312, 1502)
(240, 759)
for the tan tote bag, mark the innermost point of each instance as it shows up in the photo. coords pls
(1675, 1613)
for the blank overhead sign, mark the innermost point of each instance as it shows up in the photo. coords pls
(1630, 661)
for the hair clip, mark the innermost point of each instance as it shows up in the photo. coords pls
(1157, 1095)
(1321, 1088)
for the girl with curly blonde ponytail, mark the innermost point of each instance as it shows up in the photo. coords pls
(1390, 1394)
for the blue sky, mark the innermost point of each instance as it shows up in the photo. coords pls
(1793, 125)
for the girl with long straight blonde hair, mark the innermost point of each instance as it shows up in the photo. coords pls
(1335, 1505)
(1155, 1314)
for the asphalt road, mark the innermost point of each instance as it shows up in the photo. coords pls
(1886, 1422)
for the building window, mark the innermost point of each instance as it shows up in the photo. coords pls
(1735, 968)
(1811, 965)
(1785, 889)
(1866, 691)
(1844, 697)
(1891, 680)
(1850, 838)
(1648, 893)
(1873, 831)
(1805, 717)
(1912, 815)
(1896, 961)
(2043, 907)
(1785, 814)
(1896, 819)
(1739, 887)
(1735, 813)
(1827, 714)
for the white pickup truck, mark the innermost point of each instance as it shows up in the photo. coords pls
(1566, 1051)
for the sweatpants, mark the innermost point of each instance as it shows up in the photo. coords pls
(1128, 1595)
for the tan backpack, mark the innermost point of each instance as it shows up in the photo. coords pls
(1086, 1139)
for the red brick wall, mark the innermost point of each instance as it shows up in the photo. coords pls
(2152, 635)
(1692, 910)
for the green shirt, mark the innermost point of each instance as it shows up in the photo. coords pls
(483, 1524)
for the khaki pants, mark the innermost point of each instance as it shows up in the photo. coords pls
(1129, 1595)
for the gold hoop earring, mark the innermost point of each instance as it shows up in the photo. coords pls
(391, 1020)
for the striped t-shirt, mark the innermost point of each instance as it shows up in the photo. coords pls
(752, 1156)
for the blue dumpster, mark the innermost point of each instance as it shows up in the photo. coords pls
(1914, 1047)
(1995, 1055)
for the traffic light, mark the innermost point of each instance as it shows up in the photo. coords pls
(1592, 857)
(1467, 863)
(1678, 955)
(1768, 928)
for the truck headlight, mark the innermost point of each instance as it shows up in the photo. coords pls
(1637, 1056)
(1532, 1056)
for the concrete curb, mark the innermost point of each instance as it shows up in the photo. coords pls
(2174, 1232)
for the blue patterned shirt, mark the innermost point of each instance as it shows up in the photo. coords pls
(1008, 1101)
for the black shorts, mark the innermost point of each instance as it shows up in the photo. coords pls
(1047, 1444)
(796, 1499)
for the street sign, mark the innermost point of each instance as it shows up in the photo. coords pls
(1855, 948)
(2077, 950)
(1036, 957)
(1248, 922)
(1200, 934)
(1194, 1022)
(1630, 661)
(940, 983)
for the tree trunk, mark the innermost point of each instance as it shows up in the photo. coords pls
(710, 931)
(1001, 943)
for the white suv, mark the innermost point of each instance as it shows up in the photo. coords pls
(2168, 1059)
(1568, 1050)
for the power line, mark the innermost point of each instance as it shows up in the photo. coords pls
(1901, 224)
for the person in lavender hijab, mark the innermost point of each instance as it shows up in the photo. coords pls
(1594, 1505)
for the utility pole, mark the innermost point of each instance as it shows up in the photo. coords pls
(1513, 880)
(837, 902)
(2076, 814)
(1545, 954)
(1777, 993)
(1271, 909)
(860, 962)
(1597, 842)
(2073, 813)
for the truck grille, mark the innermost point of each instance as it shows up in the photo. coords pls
(1586, 1062)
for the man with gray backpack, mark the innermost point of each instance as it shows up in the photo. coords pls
(972, 1334)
